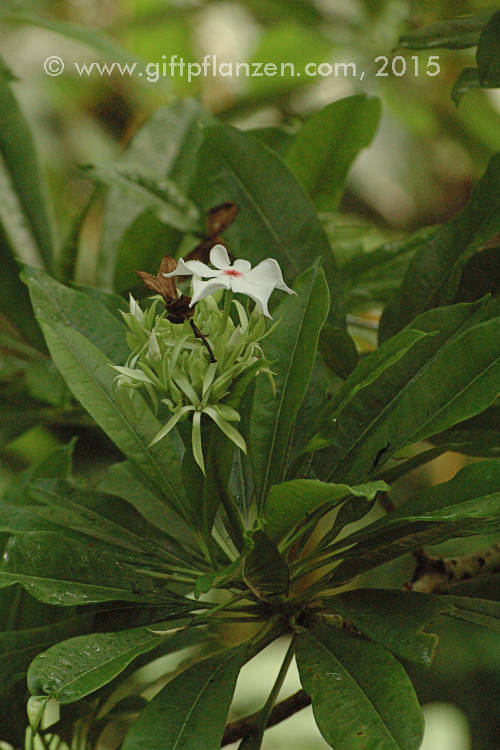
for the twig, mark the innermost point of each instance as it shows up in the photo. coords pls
(200, 335)
(245, 727)
(435, 575)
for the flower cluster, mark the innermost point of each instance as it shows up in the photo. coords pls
(183, 375)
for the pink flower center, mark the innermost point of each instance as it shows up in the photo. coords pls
(232, 272)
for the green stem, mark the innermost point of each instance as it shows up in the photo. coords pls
(228, 298)
(235, 528)
(255, 740)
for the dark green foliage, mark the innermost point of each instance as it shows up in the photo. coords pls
(107, 568)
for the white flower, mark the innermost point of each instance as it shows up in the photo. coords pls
(257, 283)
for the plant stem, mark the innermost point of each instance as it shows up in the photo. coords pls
(235, 528)
(241, 728)
(228, 298)
(262, 718)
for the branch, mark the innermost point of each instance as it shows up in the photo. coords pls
(245, 727)
(435, 575)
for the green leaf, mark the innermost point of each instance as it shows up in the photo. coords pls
(14, 298)
(361, 696)
(57, 303)
(467, 504)
(488, 53)
(20, 161)
(44, 383)
(57, 464)
(132, 238)
(65, 572)
(264, 570)
(440, 381)
(372, 367)
(19, 647)
(468, 79)
(376, 275)
(310, 411)
(193, 705)
(479, 436)
(395, 619)
(102, 516)
(277, 139)
(236, 166)
(126, 481)
(160, 196)
(433, 275)
(479, 611)
(327, 144)
(70, 670)
(291, 348)
(458, 33)
(89, 375)
(289, 503)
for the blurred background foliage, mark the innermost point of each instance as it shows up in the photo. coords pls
(418, 171)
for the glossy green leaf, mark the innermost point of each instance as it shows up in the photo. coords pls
(291, 348)
(327, 144)
(192, 708)
(132, 238)
(371, 368)
(102, 516)
(57, 303)
(488, 53)
(129, 483)
(18, 520)
(89, 375)
(457, 33)
(276, 217)
(70, 670)
(23, 172)
(467, 504)
(308, 416)
(19, 647)
(90, 572)
(395, 619)
(376, 275)
(264, 570)
(440, 381)
(361, 696)
(289, 503)
(433, 275)
(479, 436)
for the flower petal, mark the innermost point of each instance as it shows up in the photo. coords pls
(242, 265)
(203, 289)
(219, 257)
(201, 269)
(180, 270)
(258, 292)
(190, 267)
(268, 273)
